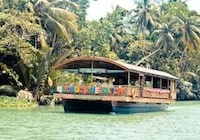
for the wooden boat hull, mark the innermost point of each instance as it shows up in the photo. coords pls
(127, 107)
(114, 106)
(87, 106)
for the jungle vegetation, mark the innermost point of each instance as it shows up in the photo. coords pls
(36, 34)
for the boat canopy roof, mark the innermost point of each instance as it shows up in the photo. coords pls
(106, 63)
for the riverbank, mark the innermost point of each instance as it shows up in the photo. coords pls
(7, 102)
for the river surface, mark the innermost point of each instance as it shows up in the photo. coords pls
(180, 121)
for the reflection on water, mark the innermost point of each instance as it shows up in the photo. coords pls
(180, 121)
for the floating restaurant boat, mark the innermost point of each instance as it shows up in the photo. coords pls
(115, 87)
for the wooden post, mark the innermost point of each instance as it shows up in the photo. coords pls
(151, 81)
(128, 89)
(160, 83)
(168, 84)
(129, 77)
(172, 89)
(92, 66)
(172, 86)
(141, 84)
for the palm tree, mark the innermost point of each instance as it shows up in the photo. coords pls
(56, 19)
(143, 17)
(33, 24)
(164, 36)
(60, 26)
(189, 39)
(119, 28)
(164, 39)
(115, 40)
(190, 32)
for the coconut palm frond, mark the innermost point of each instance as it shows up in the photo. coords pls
(44, 45)
(62, 13)
(190, 32)
(57, 28)
(71, 27)
(43, 68)
(151, 21)
(30, 7)
(165, 36)
(178, 19)
(195, 28)
(155, 33)
(192, 74)
(159, 42)
(190, 38)
(45, 2)
(118, 37)
(65, 3)
(64, 56)
(170, 37)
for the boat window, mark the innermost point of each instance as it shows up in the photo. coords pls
(164, 84)
(134, 79)
(156, 82)
(148, 81)
(120, 79)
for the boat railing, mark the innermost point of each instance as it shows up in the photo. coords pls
(113, 90)
(156, 93)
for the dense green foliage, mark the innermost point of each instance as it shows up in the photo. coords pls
(36, 34)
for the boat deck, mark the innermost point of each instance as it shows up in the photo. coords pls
(114, 93)
(112, 98)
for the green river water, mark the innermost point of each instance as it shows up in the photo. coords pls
(180, 121)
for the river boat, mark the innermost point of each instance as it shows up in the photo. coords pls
(115, 86)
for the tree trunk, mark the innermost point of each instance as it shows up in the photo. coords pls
(180, 64)
(35, 41)
(149, 55)
(36, 94)
(54, 40)
(64, 56)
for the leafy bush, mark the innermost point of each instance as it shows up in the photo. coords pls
(185, 90)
